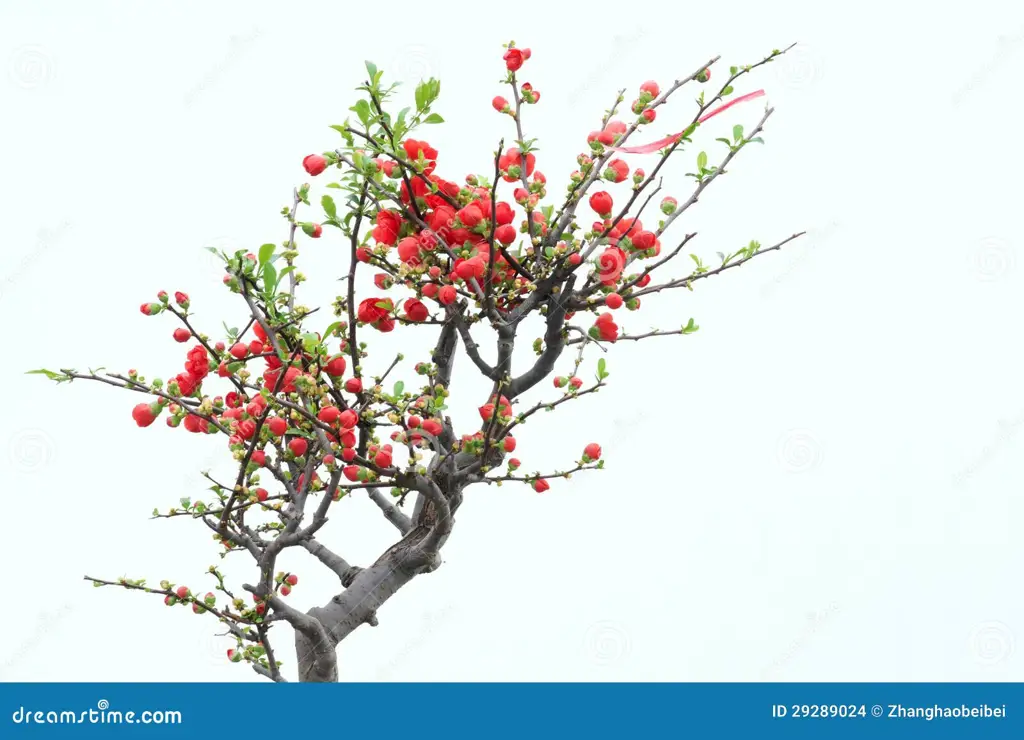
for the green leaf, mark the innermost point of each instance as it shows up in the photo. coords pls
(266, 252)
(336, 186)
(737, 132)
(329, 331)
(269, 280)
(727, 91)
(758, 139)
(421, 96)
(371, 69)
(702, 160)
(156, 512)
(186, 502)
(733, 70)
(690, 327)
(602, 373)
(285, 271)
(362, 109)
(48, 373)
(329, 208)
(310, 342)
(433, 118)
(399, 387)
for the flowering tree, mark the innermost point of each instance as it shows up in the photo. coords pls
(306, 423)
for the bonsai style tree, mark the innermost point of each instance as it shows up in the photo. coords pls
(307, 421)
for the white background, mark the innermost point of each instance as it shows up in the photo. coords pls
(824, 483)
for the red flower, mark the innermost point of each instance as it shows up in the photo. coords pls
(447, 295)
(504, 214)
(314, 164)
(605, 328)
(186, 383)
(376, 312)
(514, 158)
(270, 379)
(505, 234)
(197, 362)
(601, 203)
(143, 415)
(416, 311)
(413, 149)
(651, 88)
(336, 366)
(386, 230)
(617, 170)
(514, 59)
(471, 215)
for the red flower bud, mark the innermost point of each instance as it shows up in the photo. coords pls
(314, 164)
(540, 485)
(354, 385)
(298, 446)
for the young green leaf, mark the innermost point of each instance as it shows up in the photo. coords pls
(433, 118)
(371, 69)
(362, 109)
(702, 161)
(737, 132)
(266, 252)
(329, 208)
(269, 280)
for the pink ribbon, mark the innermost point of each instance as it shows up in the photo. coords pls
(660, 144)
